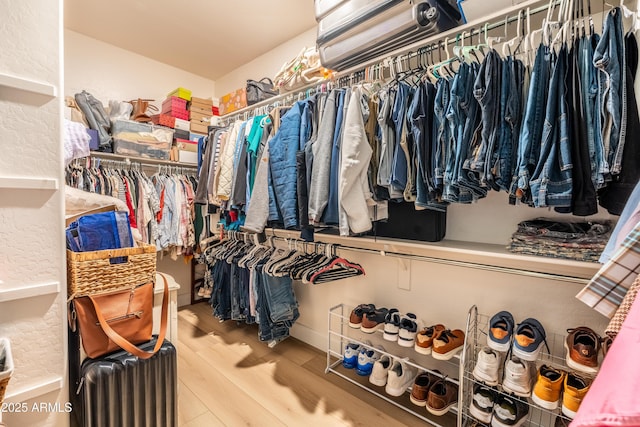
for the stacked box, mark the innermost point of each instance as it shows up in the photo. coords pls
(233, 101)
(201, 111)
(175, 107)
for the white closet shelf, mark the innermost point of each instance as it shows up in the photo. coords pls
(28, 85)
(481, 256)
(17, 183)
(29, 291)
(34, 389)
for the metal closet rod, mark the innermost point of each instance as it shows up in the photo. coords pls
(140, 160)
(382, 61)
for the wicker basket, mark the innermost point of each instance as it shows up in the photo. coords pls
(94, 272)
(7, 370)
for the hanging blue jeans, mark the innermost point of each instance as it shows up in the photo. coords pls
(441, 130)
(399, 168)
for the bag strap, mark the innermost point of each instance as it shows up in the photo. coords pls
(124, 343)
(267, 79)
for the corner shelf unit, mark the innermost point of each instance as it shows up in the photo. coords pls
(477, 330)
(340, 334)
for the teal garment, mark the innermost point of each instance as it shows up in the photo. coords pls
(253, 145)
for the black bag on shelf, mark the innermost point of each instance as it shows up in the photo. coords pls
(260, 90)
(405, 222)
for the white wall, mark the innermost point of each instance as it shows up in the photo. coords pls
(32, 257)
(266, 65)
(109, 72)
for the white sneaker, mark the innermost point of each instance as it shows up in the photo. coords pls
(517, 377)
(391, 325)
(380, 371)
(366, 359)
(408, 330)
(487, 368)
(400, 378)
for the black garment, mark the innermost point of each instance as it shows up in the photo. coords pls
(584, 201)
(614, 197)
(239, 191)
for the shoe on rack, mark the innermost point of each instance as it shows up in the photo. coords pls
(408, 330)
(400, 378)
(442, 396)
(207, 291)
(500, 331)
(424, 338)
(201, 291)
(350, 357)
(391, 325)
(548, 387)
(509, 412)
(447, 344)
(528, 340)
(380, 371)
(481, 406)
(420, 389)
(355, 319)
(518, 378)
(373, 320)
(575, 388)
(583, 346)
(366, 360)
(488, 366)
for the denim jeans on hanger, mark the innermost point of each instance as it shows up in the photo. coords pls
(532, 125)
(399, 166)
(441, 131)
(276, 305)
(487, 90)
(416, 115)
(220, 299)
(589, 75)
(387, 138)
(609, 57)
(551, 182)
(267, 329)
(331, 212)
(455, 119)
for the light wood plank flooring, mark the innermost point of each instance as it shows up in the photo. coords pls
(227, 377)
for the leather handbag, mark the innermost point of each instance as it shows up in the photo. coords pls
(260, 90)
(141, 108)
(120, 320)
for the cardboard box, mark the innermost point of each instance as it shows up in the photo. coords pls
(205, 102)
(200, 117)
(195, 137)
(175, 107)
(199, 127)
(181, 134)
(183, 124)
(233, 101)
(164, 120)
(187, 145)
(181, 93)
(196, 109)
(188, 157)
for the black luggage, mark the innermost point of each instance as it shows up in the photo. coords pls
(405, 222)
(121, 390)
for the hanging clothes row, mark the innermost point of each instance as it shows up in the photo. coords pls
(161, 207)
(253, 282)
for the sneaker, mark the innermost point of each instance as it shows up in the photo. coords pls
(546, 392)
(373, 320)
(201, 291)
(380, 371)
(355, 319)
(582, 345)
(420, 389)
(481, 406)
(487, 367)
(400, 378)
(350, 357)
(500, 331)
(517, 377)
(529, 337)
(509, 412)
(447, 344)
(207, 291)
(424, 338)
(442, 396)
(391, 325)
(366, 359)
(575, 388)
(408, 330)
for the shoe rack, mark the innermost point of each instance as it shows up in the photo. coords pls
(476, 339)
(340, 334)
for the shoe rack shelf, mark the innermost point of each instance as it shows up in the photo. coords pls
(340, 334)
(476, 336)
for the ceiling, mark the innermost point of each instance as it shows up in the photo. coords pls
(209, 38)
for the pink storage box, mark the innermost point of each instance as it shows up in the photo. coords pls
(175, 107)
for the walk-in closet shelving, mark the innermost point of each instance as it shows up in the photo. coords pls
(476, 336)
(340, 334)
(140, 160)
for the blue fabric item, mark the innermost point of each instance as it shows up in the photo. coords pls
(441, 130)
(630, 208)
(95, 232)
(399, 168)
(331, 212)
(282, 165)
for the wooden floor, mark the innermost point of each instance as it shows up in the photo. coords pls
(229, 378)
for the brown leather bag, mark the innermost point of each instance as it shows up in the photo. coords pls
(140, 107)
(120, 319)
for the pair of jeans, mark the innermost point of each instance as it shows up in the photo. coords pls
(589, 75)
(510, 119)
(551, 182)
(399, 168)
(531, 133)
(456, 120)
(276, 306)
(441, 130)
(220, 299)
(487, 90)
(239, 285)
(609, 57)
(331, 213)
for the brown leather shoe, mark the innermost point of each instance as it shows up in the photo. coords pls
(420, 389)
(447, 343)
(355, 319)
(424, 339)
(442, 396)
(583, 346)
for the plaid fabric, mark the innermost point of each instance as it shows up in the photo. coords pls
(607, 288)
(621, 313)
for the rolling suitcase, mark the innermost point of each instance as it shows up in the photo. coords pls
(121, 390)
